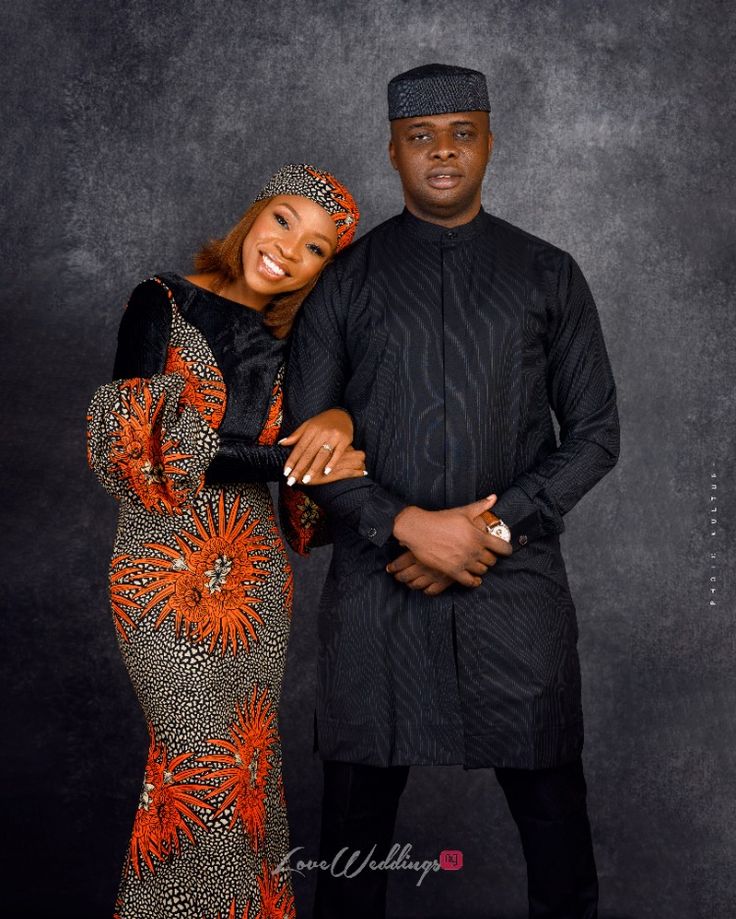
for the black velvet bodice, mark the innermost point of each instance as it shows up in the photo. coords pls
(247, 354)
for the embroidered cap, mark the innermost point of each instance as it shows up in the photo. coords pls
(319, 186)
(435, 89)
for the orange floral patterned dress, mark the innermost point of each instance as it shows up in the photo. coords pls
(201, 596)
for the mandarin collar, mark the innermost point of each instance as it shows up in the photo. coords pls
(437, 233)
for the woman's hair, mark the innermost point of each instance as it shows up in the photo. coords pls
(224, 258)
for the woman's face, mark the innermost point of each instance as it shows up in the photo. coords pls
(289, 243)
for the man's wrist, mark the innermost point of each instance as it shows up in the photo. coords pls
(403, 524)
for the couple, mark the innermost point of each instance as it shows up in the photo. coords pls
(414, 390)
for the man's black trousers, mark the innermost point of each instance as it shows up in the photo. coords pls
(549, 806)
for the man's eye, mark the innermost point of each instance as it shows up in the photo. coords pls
(418, 136)
(465, 134)
(281, 220)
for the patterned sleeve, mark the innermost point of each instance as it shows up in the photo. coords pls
(151, 432)
(304, 523)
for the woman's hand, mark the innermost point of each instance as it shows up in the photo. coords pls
(350, 465)
(311, 461)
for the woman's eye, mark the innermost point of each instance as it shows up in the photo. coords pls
(281, 220)
(316, 249)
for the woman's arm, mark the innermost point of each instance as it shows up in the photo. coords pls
(142, 444)
(144, 333)
(240, 461)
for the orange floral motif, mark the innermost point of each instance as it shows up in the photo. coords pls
(140, 453)
(205, 582)
(207, 396)
(276, 901)
(245, 767)
(270, 431)
(120, 601)
(288, 592)
(303, 517)
(166, 806)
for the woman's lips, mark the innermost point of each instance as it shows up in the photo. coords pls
(444, 180)
(270, 268)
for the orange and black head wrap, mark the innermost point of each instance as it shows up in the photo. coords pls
(321, 187)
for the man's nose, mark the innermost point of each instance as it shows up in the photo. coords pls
(444, 146)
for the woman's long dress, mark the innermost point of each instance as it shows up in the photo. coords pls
(201, 594)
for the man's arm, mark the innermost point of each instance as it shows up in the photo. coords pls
(316, 375)
(582, 394)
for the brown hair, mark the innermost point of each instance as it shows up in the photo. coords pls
(223, 258)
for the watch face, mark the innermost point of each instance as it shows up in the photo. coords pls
(500, 530)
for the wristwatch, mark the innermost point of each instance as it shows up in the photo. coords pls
(498, 528)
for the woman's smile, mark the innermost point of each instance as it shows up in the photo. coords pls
(270, 268)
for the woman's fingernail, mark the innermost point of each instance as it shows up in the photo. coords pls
(389, 569)
(281, 441)
(328, 470)
(365, 472)
(290, 480)
(287, 470)
(306, 478)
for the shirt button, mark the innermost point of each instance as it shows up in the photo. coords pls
(372, 532)
(523, 539)
(451, 234)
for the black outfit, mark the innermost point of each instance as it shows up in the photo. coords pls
(548, 805)
(449, 347)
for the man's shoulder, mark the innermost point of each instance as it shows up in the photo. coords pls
(522, 241)
(357, 251)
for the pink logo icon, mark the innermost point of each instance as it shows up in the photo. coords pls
(451, 860)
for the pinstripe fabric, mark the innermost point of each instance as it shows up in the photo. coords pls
(449, 348)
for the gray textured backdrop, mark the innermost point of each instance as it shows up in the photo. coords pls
(138, 130)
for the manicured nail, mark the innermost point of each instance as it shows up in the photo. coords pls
(365, 472)
(306, 478)
(328, 470)
(290, 480)
(281, 441)
(287, 470)
(389, 569)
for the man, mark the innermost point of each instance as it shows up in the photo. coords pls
(448, 335)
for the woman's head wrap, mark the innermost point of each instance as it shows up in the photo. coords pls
(321, 187)
(435, 89)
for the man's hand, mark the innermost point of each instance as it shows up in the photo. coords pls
(451, 543)
(416, 576)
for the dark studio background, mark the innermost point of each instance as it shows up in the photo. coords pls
(133, 132)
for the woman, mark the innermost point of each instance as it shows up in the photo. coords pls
(200, 584)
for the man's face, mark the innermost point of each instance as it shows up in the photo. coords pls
(442, 160)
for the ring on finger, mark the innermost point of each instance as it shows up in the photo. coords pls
(327, 447)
